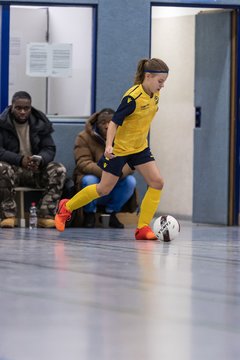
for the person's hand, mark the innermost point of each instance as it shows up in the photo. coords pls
(109, 152)
(33, 166)
(25, 162)
(28, 164)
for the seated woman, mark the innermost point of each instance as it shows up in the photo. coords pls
(89, 148)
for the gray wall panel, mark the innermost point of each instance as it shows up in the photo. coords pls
(123, 38)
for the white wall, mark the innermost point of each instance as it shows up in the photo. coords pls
(172, 129)
(169, 11)
(26, 25)
(71, 96)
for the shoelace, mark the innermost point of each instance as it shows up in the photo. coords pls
(64, 215)
(146, 228)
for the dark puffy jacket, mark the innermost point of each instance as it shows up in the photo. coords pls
(40, 138)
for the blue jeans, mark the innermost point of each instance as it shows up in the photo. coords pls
(114, 201)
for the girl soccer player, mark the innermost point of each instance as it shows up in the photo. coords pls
(127, 142)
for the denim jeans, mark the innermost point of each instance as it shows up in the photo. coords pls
(114, 201)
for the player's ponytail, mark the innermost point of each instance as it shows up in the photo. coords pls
(139, 76)
(153, 65)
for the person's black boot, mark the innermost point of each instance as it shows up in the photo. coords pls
(89, 220)
(114, 222)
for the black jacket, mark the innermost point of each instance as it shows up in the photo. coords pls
(40, 138)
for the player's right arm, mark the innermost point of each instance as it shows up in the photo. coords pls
(125, 109)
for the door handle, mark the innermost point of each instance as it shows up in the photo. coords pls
(198, 115)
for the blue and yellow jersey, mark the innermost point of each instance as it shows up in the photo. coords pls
(134, 116)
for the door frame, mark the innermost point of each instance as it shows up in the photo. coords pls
(234, 135)
(4, 57)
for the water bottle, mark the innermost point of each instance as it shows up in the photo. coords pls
(33, 216)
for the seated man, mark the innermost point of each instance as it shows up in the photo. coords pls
(89, 147)
(24, 133)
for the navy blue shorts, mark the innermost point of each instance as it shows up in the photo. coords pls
(114, 166)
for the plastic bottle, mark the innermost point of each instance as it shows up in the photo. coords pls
(33, 216)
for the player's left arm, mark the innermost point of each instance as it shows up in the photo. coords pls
(111, 132)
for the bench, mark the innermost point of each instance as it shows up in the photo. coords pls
(64, 135)
(20, 201)
(65, 132)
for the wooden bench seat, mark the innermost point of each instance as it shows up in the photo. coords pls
(20, 200)
(68, 129)
(128, 219)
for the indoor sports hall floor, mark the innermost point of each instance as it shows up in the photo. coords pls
(97, 294)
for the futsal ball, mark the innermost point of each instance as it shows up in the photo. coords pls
(166, 227)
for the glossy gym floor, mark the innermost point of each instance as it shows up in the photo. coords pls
(97, 294)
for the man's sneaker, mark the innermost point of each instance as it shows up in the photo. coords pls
(62, 215)
(89, 220)
(145, 233)
(114, 222)
(46, 223)
(8, 222)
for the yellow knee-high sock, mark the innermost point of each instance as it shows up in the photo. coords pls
(83, 197)
(148, 207)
